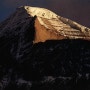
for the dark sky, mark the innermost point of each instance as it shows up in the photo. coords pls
(77, 10)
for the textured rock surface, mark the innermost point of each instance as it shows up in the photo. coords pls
(40, 50)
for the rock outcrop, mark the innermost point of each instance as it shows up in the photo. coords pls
(44, 51)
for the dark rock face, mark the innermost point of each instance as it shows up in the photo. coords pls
(50, 65)
(61, 65)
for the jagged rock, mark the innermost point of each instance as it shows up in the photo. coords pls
(41, 50)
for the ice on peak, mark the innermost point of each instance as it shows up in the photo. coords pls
(41, 12)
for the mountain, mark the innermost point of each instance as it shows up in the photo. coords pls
(41, 50)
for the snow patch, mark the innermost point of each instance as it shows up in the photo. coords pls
(41, 12)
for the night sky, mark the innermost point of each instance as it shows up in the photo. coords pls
(77, 10)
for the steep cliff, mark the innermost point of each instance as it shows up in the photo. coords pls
(40, 50)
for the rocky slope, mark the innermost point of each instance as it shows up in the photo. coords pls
(41, 50)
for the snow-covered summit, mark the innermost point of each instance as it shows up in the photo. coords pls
(49, 22)
(41, 12)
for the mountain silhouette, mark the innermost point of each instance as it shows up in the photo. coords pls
(40, 50)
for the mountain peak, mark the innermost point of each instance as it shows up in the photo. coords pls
(61, 62)
(46, 24)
